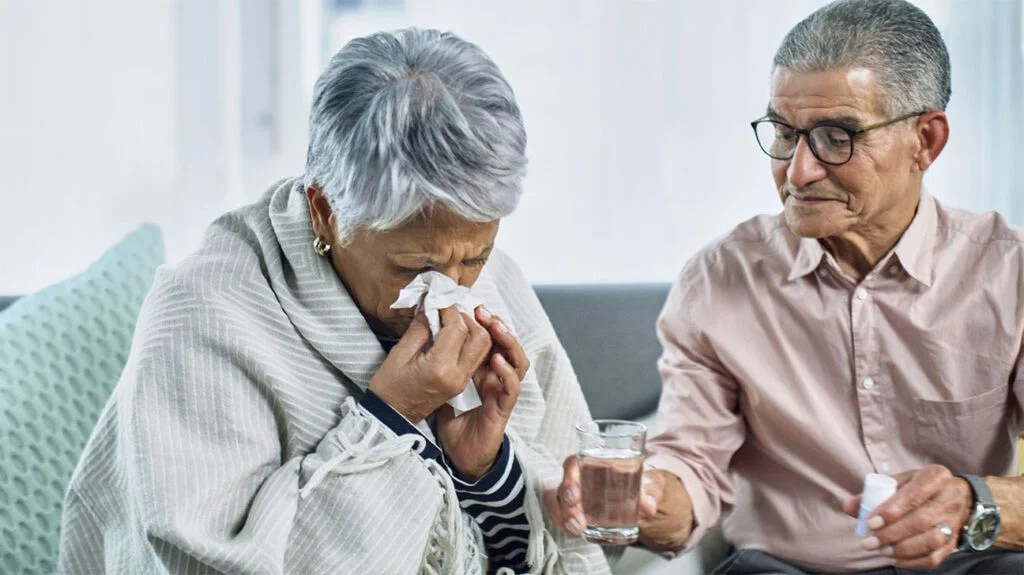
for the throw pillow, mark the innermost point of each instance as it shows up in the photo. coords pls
(61, 352)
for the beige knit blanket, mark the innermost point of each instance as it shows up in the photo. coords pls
(239, 389)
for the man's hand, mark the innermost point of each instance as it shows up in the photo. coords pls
(667, 524)
(666, 514)
(904, 526)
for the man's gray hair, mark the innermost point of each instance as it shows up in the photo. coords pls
(406, 121)
(892, 37)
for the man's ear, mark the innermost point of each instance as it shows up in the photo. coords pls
(320, 213)
(932, 130)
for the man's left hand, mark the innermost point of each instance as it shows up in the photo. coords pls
(907, 527)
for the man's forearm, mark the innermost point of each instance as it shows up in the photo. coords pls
(1009, 495)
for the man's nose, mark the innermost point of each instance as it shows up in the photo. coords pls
(804, 168)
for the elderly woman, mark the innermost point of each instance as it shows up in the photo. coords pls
(277, 415)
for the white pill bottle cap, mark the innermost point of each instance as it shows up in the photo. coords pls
(877, 488)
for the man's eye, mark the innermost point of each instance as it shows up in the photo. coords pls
(832, 137)
(784, 134)
(477, 263)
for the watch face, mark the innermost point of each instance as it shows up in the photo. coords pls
(984, 530)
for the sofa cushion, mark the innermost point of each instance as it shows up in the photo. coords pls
(608, 330)
(61, 352)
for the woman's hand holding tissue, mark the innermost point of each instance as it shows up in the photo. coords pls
(416, 381)
(472, 440)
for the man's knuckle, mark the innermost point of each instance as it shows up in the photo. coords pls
(921, 523)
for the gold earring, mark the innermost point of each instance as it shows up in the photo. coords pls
(320, 247)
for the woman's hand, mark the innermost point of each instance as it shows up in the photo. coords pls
(415, 382)
(472, 440)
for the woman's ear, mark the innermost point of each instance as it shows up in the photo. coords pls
(932, 130)
(320, 213)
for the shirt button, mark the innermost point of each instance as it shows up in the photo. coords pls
(868, 383)
(893, 270)
(884, 467)
(862, 294)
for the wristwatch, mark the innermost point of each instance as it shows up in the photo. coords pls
(982, 527)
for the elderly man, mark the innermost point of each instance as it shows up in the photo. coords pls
(865, 329)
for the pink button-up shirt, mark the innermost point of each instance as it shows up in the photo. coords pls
(786, 382)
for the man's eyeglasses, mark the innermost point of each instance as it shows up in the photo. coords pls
(832, 145)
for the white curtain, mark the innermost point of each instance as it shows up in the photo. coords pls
(175, 110)
(983, 164)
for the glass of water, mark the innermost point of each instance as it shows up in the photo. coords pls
(611, 458)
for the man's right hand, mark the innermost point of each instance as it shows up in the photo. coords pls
(666, 513)
(416, 382)
(669, 524)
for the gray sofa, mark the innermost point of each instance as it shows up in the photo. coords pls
(6, 300)
(608, 332)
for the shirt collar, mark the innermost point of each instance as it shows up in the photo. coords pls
(914, 248)
(808, 257)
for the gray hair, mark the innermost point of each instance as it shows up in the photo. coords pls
(407, 121)
(892, 37)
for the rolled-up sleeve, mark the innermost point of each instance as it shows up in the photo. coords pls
(700, 421)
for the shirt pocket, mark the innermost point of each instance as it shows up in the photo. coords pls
(969, 435)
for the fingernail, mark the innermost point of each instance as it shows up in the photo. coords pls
(574, 527)
(483, 312)
(870, 543)
(887, 550)
(876, 522)
(649, 501)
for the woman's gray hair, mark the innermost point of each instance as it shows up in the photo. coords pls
(406, 121)
(892, 37)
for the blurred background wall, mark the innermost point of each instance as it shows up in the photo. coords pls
(114, 112)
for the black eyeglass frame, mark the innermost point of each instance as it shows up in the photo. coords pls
(806, 134)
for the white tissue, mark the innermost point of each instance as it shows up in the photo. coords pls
(432, 292)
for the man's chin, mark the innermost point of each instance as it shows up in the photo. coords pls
(809, 226)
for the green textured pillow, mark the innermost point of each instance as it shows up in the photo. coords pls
(61, 352)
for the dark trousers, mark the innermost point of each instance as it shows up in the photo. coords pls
(992, 562)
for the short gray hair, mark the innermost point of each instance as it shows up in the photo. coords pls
(892, 37)
(406, 121)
